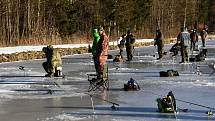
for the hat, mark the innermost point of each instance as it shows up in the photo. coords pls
(50, 47)
(100, 28)
(44, 49)
(123, 35)
(94, 31)
(182, 29)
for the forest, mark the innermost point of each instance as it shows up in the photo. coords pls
(36, 22)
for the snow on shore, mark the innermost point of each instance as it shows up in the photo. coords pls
(17, 49)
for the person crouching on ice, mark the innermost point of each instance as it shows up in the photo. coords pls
(167, 104)
(175, 48)
(118, 58)
(53, 61)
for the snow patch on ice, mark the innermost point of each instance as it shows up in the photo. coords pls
(205, 83)
(124, 120)
(77, 78)
(81, 63)
(207, 59)
(65, 117)
(37, 95)
(5, 91)
(122, 69)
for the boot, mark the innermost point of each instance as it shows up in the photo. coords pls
(49, 75)
(99, 78)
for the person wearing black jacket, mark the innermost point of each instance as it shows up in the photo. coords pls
(159, 43)
(129, 44)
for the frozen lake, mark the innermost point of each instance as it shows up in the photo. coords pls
(24, 94)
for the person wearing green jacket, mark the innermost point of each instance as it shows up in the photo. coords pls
(96, 39)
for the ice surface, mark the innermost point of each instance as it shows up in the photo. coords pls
(23, 96)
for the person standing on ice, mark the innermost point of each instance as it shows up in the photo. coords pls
(181, 38)
(53, 61)
(194, 39)
(102, 51)
(175, 48)
(121, 45)
(129, 44)
(159, 42)
(203, 35)
(96, 38)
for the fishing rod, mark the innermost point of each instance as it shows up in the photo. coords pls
(97, 97)
(33, 82)
(211, 108)
(22, 68)
(108, 101)
(200, 105)
(30, 82)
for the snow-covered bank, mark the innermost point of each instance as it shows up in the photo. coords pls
(9, 54)
(17, 49)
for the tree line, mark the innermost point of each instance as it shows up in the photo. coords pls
(33, 22)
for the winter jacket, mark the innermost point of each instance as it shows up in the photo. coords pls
(184, 38)
(159, 39)
(203, 34)
(194, 37)
(96, 37)
(102, 45)
(130, 40)
(56, 58)
(53, 57)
